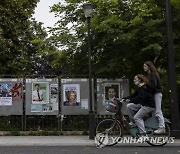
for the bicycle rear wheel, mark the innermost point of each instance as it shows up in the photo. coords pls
(161, 139)
(108, 132)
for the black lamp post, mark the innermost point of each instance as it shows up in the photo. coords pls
(175, 114)
(88, 11)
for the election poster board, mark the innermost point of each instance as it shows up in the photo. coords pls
(42, 97)
(75, 96)
(11, 96)
(108, 89)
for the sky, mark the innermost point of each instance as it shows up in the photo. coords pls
(42, 13)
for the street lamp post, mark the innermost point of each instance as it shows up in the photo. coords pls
(175, 115)
(88, 11)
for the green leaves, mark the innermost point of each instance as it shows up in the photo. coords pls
(24, 49)
(124, 34)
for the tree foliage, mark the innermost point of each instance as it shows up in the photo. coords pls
(124, 35)
(24, 49)
(13, 34)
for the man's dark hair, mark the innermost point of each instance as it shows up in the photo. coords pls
(111, 87)
(36, 84)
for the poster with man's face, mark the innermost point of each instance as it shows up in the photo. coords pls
(111, 91)
(40, 92)
(40, 97)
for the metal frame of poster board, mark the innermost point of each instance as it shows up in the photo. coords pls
(121, 87)
(48, 92)
(11, 96)
(75, 96)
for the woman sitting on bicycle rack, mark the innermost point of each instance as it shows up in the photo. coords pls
(141, 104)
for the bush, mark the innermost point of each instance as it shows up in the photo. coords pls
(14, 133)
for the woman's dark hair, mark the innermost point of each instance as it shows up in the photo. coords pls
(152, 67)
(142, 78)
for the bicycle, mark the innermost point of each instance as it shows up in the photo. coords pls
(110, 131)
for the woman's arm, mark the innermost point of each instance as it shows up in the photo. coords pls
(140, 97)
(132, 95)
(152, 81)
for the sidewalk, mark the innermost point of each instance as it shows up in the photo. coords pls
(58, 141)
(46, 141)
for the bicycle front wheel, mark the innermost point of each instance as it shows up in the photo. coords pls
(108, 132)
(161, 139)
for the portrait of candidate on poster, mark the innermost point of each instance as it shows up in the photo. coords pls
(71, 95)
(40, 92)
(6, 90)
(111, 91)
(6, 93)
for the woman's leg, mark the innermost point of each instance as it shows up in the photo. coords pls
(138, 118)
(132, 109)
(158, 111)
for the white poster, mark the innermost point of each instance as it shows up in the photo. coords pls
(84, 104)
(53, 97)
(5, 101)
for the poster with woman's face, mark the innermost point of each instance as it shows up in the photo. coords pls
(71, 94)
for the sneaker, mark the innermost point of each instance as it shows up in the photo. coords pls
(132, 124)
(160, 131)
(143, 138)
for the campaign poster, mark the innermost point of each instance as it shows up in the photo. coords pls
(71, 94)
(36, 108)
(47, 107)
(53, 97)
(111, 90)
(84, 104)
(40, 92)
(5, 94)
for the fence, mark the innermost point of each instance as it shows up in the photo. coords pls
(20, 109)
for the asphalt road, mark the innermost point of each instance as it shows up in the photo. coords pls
(89, 150)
